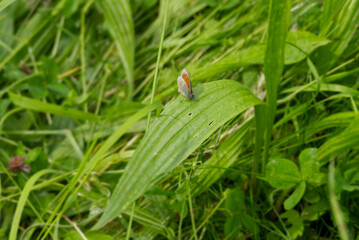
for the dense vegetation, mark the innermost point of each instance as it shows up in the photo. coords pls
(96, 142)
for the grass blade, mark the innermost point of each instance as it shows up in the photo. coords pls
(22, 201)
(5, 3)
(119, 22)
(334, 146)
(346, 16)
(337, 212)
(297, 43)
(85, 170)
(38, 106)
(279, 12)
(155, 79)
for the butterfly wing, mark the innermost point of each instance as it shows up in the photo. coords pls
(184, 85)
(183, 88)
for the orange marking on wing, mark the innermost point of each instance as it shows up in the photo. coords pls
(186, 79)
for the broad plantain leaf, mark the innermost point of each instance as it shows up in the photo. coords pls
(180, 130)
(223, 158)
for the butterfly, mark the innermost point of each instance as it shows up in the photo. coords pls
(184, 85)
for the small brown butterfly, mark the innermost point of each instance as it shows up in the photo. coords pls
(185, 85)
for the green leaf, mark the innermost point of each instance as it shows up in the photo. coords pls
(41, 162)
(294, 219)
(67, 7)
(309, 165)
(350, 188)
(235, 200)
(226, 4)
(4, 103)
(20, 150)
(58, 89)
(311, 196)
(334, 146)
(38, 106)
(314, 211)
(37, 87)
(223, 158)
(38, 32)
(233, 226)
(148, 219)
(49, 69)
(90, 235)
(22, 201)
(33, 154)
(118, 133)
(336, 120)
(5, 3)
(249, 223)
(296, 196)
(180, 130)
(352, 175)
(282, 173)
(323, 87)
(297, 42)
(339, 24)
(300, 44)
(70, 193)
(119, 22)
(279, 13)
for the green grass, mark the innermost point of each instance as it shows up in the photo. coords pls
(267, 149)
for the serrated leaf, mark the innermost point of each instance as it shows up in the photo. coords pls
(282, 173)
(180, 130)
(296, 196)
(297, 226)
